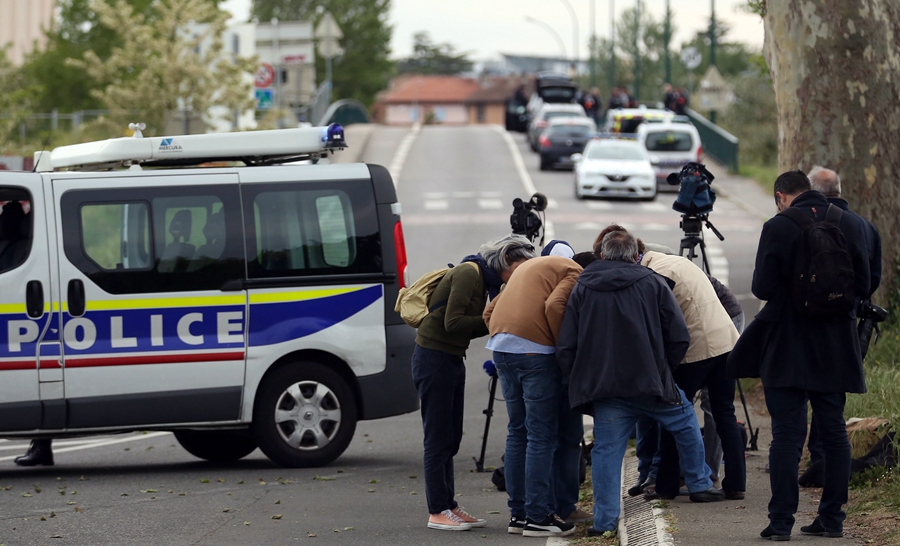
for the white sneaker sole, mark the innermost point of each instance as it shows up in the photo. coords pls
(444, 527)
(542, 533)
(479, 523)
(514, 530)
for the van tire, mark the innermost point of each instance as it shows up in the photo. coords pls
(218, 446)
(324, 438)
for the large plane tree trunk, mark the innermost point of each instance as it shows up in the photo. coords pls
(835, 66)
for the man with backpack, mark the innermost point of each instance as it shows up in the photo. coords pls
(811, 266)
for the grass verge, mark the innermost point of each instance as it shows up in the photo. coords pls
(874, 508)
(764, 175)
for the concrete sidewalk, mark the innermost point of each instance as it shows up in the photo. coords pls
(733, 523)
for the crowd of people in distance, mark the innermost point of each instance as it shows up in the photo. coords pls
(676, 99)
(629, 333)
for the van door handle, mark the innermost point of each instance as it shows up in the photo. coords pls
(76, 298)
(34, 299)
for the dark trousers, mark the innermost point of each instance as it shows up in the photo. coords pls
(816, 453)
(440, 379)
(691, 378)
(788, 410)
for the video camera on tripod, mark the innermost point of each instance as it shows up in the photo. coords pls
(527, 218)
(695, 201)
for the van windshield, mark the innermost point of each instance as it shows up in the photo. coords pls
(615, 152)
(669, 141)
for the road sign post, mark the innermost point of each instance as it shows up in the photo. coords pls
(691, 58)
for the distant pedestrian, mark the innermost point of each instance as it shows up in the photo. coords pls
(622, 336)
(439, 372)
(805, 357)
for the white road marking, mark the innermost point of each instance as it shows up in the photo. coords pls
(600, 205)
(552, 203)
(437, 204)
(463, 194)
(434, 194)
(490, 204)
(490, 193)
(101, 443)
(653, 206)
(396, 166)
(517, 160)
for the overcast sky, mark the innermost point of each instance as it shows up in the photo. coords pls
(486, 28)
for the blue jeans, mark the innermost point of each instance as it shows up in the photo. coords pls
(531, 387)
(567, 459)
(614, 420)
(440, 379)
(788, 410)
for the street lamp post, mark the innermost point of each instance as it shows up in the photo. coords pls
(612, 44)
(574, 30)
(592, 44)
(548, 28)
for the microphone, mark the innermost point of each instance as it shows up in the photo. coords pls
(490, 368)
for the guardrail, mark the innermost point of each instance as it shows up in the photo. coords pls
(717, 142)
(346, 112)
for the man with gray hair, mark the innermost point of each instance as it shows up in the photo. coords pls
(828, 182)
(623, 334)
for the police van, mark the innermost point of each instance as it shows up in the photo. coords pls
(199, 284)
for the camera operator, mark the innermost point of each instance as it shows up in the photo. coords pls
(828, 182)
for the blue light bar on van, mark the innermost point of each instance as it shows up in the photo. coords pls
(334, 137)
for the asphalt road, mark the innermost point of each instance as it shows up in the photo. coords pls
(456, 186)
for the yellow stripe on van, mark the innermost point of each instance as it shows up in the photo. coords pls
(12, 308)
(163, 303)
(301, 295)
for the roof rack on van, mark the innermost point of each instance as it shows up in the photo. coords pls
(251, 147)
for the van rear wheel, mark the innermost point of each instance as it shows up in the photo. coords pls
(216, 445)
(304, 416)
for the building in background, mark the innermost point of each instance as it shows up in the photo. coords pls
(22, 24)
(426, 99)
(287, 46)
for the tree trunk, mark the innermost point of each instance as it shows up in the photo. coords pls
(835, 66)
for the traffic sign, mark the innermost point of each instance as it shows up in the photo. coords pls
(691, 57)
(715, 93)
(329, 34)
(265, 99)
(265, 75)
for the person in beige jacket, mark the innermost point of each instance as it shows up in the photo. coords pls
(713, 335)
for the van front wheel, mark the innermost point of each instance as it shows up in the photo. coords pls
(304, 416)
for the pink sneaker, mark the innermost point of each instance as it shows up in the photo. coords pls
(466, 517)
(447, 521)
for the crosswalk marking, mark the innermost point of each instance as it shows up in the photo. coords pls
(437, 204)
(490, 204)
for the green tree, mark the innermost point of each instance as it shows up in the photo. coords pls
(431, 58)
(172, 60)
(364, 68)
(16, 102)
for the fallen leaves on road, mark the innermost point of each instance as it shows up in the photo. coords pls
(204, 480)
(324, 478)
(276, 516)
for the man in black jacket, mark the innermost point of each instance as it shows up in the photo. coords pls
(815, 358)
(622, 335)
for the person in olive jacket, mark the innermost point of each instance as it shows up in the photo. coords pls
(439, 372)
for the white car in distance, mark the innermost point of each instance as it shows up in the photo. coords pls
(612, 167)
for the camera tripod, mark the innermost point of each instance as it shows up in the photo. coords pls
(693, 237)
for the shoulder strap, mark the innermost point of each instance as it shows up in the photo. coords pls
(833, 214)
(798, 216)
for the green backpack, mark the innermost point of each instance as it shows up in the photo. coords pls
(412, 301)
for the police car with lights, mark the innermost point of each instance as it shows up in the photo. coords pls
(238, 306)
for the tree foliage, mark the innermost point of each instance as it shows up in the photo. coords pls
(431, 58)
(15, 101)
(166, 60)
(364, 68)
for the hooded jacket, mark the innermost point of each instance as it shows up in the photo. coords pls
(622, 335)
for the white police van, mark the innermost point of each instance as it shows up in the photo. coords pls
(238, 306)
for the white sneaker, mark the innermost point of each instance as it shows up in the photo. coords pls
(448, 521)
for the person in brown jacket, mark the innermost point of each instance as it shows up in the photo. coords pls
(523, 322)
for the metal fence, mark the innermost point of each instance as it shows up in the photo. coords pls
(717, 142)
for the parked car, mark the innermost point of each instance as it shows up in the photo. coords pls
(563, 137)
(627, 120)
(549, 88)
(670, 146)
(611, 167)
(547, 112)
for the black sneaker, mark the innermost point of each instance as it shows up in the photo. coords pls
(817, 529)
(551, 526)
(769, 534)
(515, 526)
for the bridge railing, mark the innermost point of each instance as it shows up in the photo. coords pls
(717, 142)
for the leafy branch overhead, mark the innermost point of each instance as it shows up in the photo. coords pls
(430, 58)
(173, 61)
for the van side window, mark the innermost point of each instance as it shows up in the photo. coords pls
(312, 229)
(155, 239)
(15, 229)
(117, 236)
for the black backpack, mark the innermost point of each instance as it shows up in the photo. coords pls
(823, 279)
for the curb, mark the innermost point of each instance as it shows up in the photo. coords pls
(743, 204)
